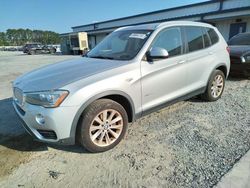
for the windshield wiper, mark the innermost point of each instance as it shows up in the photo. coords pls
(101, 57)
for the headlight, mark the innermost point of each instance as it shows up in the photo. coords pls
(49, 99)
(243, 60)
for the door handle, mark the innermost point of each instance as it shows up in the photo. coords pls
(210, 53)
(182, 61)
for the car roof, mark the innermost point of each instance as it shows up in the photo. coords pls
(154, 26)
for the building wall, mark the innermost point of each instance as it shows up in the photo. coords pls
(221, 16)
(91, 40)
(100, 37)
(94, 39)
(156, 16)
(65, 44)
(173, 13)
(224, 26)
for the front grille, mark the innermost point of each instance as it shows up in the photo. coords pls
(47, 134)
(18, 96)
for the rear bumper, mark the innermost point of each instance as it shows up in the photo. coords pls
(57, 132)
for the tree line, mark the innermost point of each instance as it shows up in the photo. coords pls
(19, 37)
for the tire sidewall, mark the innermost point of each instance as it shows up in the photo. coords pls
(87, 118)
(32, 52)
(214, 74)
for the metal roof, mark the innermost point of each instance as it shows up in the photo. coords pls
(196, 12)
(149, 13)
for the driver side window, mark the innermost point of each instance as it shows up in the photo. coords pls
(169, 39)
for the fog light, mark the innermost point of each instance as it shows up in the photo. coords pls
(40, 119)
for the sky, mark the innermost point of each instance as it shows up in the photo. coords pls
(61, 15)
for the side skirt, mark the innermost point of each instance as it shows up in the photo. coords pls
(178, 99)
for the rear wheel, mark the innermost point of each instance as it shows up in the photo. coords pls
(53, 50)
(103, 125)
(215, 86)
(32, 52)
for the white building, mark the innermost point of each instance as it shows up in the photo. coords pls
(229, 16)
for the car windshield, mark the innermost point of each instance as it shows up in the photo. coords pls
(241, 39)
(120, 45)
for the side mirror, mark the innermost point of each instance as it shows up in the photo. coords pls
(157, 53)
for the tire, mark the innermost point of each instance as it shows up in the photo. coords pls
(32, 52)
(94, 134)
(53, 50)
(216, 81)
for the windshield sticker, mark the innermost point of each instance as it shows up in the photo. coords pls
(138, 36)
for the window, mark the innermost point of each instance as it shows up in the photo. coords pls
(120, 45)
(206, 38)
(117, 45)
(213, 35)
(194, 38)
(169, 39)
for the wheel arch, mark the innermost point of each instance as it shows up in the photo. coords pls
(222, 67)
(120, 97)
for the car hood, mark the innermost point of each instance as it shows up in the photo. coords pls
(238, 51)
(60, 74)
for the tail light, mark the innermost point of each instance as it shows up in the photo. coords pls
(228, 49)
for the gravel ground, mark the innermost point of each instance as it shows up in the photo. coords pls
(189, 144)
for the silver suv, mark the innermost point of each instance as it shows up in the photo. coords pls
(132, 72)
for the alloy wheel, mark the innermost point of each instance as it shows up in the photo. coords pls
(217, 86)
(106, 127)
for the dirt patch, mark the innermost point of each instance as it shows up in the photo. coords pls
(15, 151)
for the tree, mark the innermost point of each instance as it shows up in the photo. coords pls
(3, 41)
(18, 37)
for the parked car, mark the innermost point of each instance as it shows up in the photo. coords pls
(37, 48)
(240, 54)
(28, 46)
(132, 72)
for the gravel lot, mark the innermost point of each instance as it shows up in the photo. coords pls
(189, 144)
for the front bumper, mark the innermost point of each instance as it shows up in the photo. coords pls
(57, 125)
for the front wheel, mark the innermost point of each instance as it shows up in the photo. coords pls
(215, 86)
(52, 51)
(103, 125)
(32, 52)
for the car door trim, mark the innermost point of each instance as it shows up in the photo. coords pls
(173, 101)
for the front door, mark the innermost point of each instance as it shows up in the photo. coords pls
(164, 80)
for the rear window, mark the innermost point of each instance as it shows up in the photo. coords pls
(194, 38)
(213, 35)
(206, 38)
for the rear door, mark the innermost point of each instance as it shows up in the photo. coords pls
(165, 79)
(199, 57)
